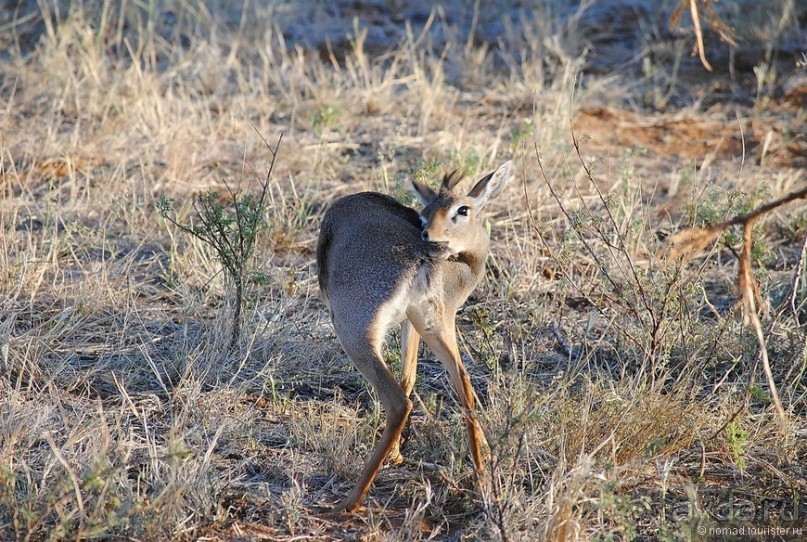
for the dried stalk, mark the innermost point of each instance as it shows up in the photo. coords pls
(694, 241)
(712, 21)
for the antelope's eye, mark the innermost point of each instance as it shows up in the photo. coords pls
(463, 211)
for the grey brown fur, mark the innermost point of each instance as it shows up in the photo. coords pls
(382, 263)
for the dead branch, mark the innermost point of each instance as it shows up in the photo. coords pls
(694, 241)
(691, 242)
(712, 20)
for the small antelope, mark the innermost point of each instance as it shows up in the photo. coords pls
(381, 263)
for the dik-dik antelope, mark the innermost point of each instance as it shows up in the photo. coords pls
(382, 263)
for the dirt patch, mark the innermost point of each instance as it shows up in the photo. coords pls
(776, 137)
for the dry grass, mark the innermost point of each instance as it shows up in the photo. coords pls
(620, 396)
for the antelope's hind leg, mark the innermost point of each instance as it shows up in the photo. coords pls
(410, 341)
(366, 356)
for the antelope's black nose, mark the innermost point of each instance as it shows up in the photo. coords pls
(424, 236)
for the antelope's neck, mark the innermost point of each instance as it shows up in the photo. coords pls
(474, 260)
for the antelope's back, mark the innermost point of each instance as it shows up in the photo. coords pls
(369, 247)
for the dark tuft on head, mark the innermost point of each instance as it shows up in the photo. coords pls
(450, 180)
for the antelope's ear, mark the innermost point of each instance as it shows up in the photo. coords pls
(489, 186)
(423, 192)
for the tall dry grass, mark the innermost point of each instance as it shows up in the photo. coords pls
(619, 395)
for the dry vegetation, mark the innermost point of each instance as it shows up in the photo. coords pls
(621, 395)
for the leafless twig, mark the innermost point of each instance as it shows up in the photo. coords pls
(712, 20)
(693, 241)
